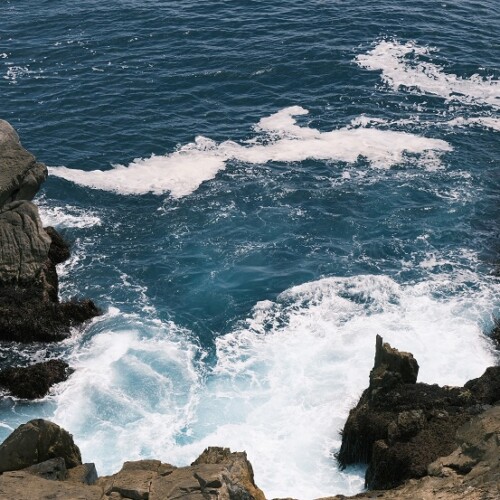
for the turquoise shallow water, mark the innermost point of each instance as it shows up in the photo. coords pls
(292, 179)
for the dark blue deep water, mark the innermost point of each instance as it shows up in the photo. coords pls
(253, 190)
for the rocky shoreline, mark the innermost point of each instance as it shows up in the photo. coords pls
(30, 309)
(420, 441)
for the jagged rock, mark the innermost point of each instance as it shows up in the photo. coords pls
(471, 471)
(239, 467)
(391, 367)
(133, 481)
(399, 426)
(487, 387)
(37, 441)
(34, 381)
(59, 249)
(20, 174)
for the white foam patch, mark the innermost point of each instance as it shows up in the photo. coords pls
(133, 392)
(401, 67)
(67, 216)
(182, 171)
(289, 376)
(283, 382)
(480, 121)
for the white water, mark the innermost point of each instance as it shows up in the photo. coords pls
(184, 170)
(283, 380)
(403, 65)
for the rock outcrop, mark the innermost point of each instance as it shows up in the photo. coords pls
(35, 442)
(399, 426)
(30, 309)
(34, 381)
(471, 471)
(51, 468)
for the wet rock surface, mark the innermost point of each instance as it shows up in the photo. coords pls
(34, 381)
(30, 310)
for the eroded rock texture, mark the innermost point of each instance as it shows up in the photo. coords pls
(29, 303)
(399, 426)
(51, 468)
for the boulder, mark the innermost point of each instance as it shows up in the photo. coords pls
(20, 174)
(37, 441)
(34, 381)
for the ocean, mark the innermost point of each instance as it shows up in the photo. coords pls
(252, 191)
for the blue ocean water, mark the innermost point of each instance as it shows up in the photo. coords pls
(252, 191)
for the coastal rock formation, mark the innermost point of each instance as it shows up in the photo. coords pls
(399, 426)
(29, 303)
(35, 442)
(471, 471)
(25, 245)
(34, 381)
(51, 468)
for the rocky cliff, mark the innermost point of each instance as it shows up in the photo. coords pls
(30, 309)
(404, 431)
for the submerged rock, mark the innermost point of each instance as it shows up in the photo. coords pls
(34, 381)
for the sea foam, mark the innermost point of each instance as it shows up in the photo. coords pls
(283, 140)
(282, 382)
(403, 65)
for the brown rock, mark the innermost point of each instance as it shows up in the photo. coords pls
(37, 441)
(21, 485)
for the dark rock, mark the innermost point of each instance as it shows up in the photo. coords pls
(26, 317)
(399, 426)
(391, 367)
(37, 441)
(29, 301)
(486, 388)
(53, 469)
(59, 249)
(34, 381)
